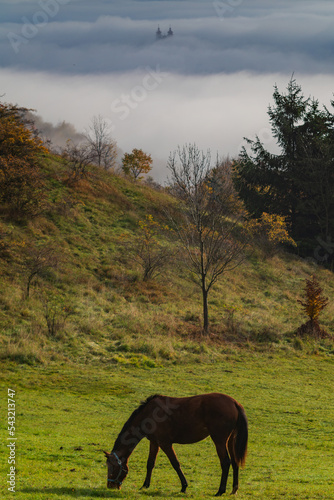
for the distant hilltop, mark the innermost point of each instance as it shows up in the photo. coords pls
(161, 36)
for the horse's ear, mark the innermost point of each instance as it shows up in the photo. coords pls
(106, 454)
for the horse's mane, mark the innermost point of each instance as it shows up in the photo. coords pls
(131, 418)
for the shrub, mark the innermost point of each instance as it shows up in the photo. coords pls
(55, 312)
(21, 188)
(313, 304)
(314, 301)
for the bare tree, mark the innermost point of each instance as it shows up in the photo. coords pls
(102, 145)
(38, 262)
(147, 248)
(78, 158)
(56, 311)
(209, 219)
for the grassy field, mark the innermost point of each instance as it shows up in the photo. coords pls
(66, 415)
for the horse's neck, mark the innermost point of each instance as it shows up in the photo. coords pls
(128, 439)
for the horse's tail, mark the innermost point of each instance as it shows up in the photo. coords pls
(240, 437)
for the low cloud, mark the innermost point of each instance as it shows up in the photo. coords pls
(214, 111)
(120, 36)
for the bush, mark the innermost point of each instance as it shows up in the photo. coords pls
(313, 304)
(21, 188)
(56, 313)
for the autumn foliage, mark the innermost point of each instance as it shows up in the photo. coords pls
(136, 163)
(21, 184)
(17, 137)
(270, 231)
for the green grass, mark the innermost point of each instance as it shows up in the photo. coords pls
(66, 416)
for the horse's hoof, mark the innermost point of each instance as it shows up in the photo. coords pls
(234, 491)
(218, 494)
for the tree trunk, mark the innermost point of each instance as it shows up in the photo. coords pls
(204, 287)
(30, 278)
(205, 310)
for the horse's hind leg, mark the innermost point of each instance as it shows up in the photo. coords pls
(154, 448)
(225, 465)
(235, 478)
(234, 466)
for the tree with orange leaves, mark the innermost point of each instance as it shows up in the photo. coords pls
(21, 184)
(136, 163)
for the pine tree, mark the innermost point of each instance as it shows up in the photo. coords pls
(298, 182)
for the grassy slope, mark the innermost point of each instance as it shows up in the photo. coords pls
(119, 318)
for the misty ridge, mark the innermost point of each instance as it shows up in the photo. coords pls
(57, 137)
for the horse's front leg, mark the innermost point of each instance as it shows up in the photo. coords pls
(168, 449)
(154, 448)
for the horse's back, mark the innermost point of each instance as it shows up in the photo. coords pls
(212, 402)
(191, 419)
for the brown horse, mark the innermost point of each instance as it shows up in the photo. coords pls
(164, 421)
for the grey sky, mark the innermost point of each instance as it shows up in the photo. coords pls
(210, 83)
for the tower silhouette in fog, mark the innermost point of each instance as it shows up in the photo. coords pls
(161, 36)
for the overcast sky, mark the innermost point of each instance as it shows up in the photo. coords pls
(210, 83)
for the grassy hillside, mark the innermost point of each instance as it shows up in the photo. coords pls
(107, 314)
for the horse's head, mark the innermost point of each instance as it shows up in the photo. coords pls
(117, 470)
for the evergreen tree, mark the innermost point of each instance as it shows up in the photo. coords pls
(298, 182)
